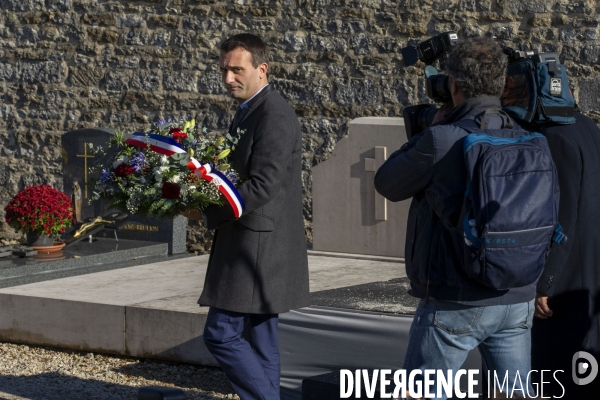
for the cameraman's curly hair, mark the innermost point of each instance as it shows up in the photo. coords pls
(478, 66)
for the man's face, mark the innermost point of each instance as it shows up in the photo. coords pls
(240, 78)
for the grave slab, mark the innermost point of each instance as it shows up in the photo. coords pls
(150, 333)
(80, 258)
(157, 302)
(77, 325)
(349, 216)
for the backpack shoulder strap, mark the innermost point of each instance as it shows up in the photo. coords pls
(468, 125)
(471, 126)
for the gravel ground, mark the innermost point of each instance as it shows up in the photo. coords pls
(39, 373)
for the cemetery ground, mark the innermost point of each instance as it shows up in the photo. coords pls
(40, 373)
(146, 312)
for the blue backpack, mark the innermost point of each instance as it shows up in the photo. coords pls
(510, 210)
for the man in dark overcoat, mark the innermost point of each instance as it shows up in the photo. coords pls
(568, 299)
(258, 265)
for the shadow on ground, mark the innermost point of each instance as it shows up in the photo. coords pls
(198, 383)
(54, 386)
(184, 376)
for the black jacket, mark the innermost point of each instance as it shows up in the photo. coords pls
(258, 263)
(573, 268)
(571, 276)
(430, 168)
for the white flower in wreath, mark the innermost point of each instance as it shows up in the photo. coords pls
(175, 179)
(119, 161)
(164, 160)
(184, 190)
(217, 182)
(159, 172)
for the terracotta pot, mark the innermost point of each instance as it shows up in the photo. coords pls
(35, 239)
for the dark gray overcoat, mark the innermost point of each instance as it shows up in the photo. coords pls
(258, 263)
(571, 276)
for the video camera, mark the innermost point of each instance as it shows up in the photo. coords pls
(536, 90)
(437, 86)
(429, 50)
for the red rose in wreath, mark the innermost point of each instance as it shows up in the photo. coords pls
(179, 136)
(124, 170)
(170, 191)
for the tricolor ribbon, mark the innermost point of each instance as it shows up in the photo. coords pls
(168, 146)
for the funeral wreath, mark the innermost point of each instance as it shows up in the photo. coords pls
(170, 168)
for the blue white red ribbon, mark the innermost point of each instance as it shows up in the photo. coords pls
(168, 146)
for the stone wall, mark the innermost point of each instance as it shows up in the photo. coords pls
(67, 64)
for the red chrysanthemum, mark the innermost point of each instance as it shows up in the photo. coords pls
(41, 209)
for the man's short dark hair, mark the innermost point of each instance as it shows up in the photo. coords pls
(252, 43)
(478, 66)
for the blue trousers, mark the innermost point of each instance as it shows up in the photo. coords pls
(443, 333)
(246, 347)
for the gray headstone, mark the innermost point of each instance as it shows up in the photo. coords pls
(77, 160)
(349, 216)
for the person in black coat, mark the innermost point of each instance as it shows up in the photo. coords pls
(258, 266)
(568, 299)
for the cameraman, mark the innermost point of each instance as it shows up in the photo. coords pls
(456, 314)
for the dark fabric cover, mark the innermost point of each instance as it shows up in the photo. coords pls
(315, 340)
(572, 274)
(430, 168)
(258, 263)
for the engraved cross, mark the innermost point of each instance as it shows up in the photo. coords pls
(372, 165)
(85, 156)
